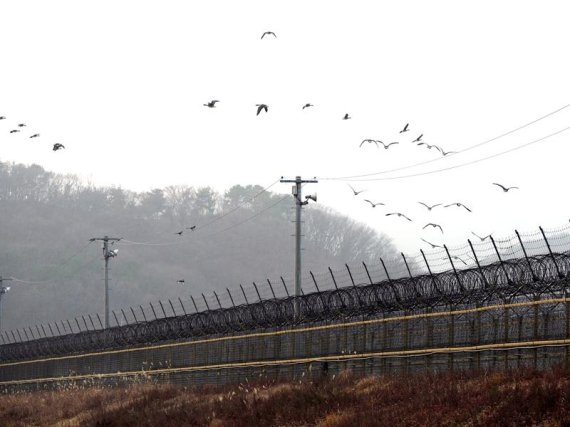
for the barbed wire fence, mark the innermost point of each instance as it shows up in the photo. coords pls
(483, 270)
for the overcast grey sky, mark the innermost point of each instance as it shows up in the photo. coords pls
(121, 85)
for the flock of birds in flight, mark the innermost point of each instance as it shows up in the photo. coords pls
(20, 128)
(418, 141)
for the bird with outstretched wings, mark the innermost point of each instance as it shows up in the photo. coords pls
(356, 193)
(429, 208)
(261, 107)
(431, 244)
(431, 224)
(374, 204)
(505, 189)
(399, 215)
(269, 33)
(211, 104)
(459, 205)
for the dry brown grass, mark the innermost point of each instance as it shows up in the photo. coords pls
(516, 398)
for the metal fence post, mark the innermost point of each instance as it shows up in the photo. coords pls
(182, 305)
(271, 287)
(231, 297)
(218, 299)
(144, 315)
(509, 281)
(560, 275)
(333, 279)
(407, 266)
(534, 278)
(285, 286)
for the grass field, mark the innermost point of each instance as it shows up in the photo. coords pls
(516, 398)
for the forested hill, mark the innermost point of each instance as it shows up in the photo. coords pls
(47, 219)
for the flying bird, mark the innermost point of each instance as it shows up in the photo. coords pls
(191, 228)
(369, 141)
(261, 107)
(15, 130)
(419, 138)
(505, 189)
(2, 117)
(181, 281)
(307, 106)
(429, 146)
(179, 232)
(211, 104)
(346, 117)
(445, 153)
(431, 224)
(35, 135)
(399, 214)
(356, 193)
(58, 146)
(268, 33)
(429, 208)
(481, 238)
(387, 145)
(431, 244)
(21, 125)
(459, 259)
(374, 204)
(459, 205)
(405, 128)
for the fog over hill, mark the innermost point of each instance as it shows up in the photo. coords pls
(47, 219)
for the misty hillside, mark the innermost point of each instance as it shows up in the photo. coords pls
(46, 221)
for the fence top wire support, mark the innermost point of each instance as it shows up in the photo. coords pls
(407, 266)
(509, 281)
(534, 278)
(560, 275)
(403, 294)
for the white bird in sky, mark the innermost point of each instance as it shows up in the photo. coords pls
(369, 141)
(431, 244)
(505, 189)
(431, 224)
(374, 204)
(399, 215)
(480, 237)
(267, 33)
(356, 193)
(429, 208)
(459, 205)
(386, 146)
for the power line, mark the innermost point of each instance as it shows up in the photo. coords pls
(219, 217)
(461, 164)
(238, 206)
(57, 267)
(251, 217)
(458, 152)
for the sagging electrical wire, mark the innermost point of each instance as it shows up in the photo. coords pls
(452, 154)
